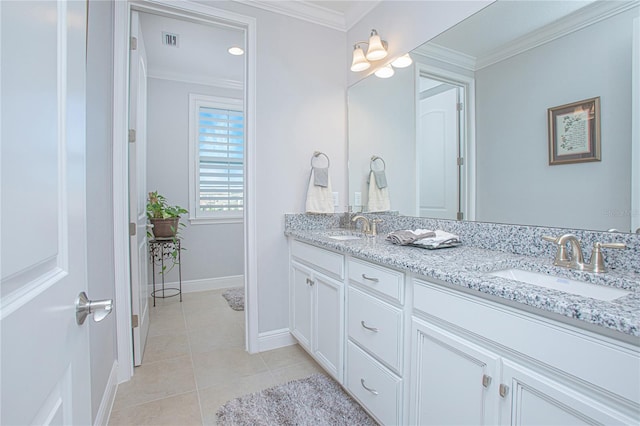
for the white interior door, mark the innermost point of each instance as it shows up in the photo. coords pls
(437, 153)
(45, 359)
(138, 190)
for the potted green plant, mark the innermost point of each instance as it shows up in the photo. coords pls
(165, 218)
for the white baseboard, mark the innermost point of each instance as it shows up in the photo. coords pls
(275, 339)
(109, 396)
(206, 284)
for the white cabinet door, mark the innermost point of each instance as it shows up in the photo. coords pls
(300, 304)
(328, 320)
(536, 400)
(454, 382)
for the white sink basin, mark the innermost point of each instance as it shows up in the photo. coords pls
(344, 237)
(567, 285)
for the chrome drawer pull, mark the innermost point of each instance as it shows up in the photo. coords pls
(310, 281)
(373, 391)
(504, 390)
(486, 380)
(375, 280)
(374, 329)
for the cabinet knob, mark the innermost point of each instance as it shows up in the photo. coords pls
(486, 380)
(310, 281)
(373, 391)
(375, 280)
(374, 329)
(504, 390)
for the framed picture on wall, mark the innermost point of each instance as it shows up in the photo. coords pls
(574, 132)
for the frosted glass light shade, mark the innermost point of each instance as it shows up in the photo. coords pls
(403, 61)
(385, 72)
(376, 50)
(359, 63)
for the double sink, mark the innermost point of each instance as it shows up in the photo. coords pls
(554, 282)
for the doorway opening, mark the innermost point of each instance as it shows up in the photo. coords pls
(167, 159)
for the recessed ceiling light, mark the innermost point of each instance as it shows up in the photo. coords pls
(236, 51)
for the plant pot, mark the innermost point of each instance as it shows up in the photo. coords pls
(165, 228)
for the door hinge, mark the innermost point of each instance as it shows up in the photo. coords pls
(134, 321)
(459, 106)
(132, 135)
(460, 216)
(134, 43)
(460, 161)
(132, 229)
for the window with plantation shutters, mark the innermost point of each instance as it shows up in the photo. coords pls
(217, 158)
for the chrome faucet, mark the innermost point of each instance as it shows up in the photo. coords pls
(575, 260)
(369, 226)
(366, 226)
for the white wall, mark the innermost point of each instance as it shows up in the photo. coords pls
(512, 142)
(407, 24)
(213, 251)
(100, 262)
(300, 108)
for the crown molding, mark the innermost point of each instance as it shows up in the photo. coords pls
(302, 10)
(589, 15)
(196, 79)
(449, 56)
(316, 14)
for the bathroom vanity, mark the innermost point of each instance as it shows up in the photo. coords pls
(434, 336)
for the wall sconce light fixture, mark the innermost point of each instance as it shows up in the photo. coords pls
(377, 49)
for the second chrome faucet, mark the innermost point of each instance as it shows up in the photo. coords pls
(369, 227)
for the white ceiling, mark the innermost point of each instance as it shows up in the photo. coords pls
(201, 55)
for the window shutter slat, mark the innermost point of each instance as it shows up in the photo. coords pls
(221, 159)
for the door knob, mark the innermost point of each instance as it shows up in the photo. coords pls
(99, 308)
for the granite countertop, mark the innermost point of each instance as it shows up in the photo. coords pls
(467, 266)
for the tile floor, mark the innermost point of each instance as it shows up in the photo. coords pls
(195, 361)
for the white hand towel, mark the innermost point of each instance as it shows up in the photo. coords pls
(378, 198)
(319, 198)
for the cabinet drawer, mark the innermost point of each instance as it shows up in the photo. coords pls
(383, 398)
(326, 261)
(377, 278)
(383, 337)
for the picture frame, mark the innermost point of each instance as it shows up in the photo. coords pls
(574, 132)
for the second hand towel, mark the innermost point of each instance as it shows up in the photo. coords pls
(378, 197)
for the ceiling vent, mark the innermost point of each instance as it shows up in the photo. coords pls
(170, 39)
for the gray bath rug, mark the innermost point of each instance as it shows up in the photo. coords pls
(313, 401)
(235, 298)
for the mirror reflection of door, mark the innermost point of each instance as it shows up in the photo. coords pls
(438, 149)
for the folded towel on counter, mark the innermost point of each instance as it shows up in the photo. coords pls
(378, 197)
(407, 236)
(424, 238)
(319, 198)
(321, 176)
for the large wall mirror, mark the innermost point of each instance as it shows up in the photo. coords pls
(463, 132)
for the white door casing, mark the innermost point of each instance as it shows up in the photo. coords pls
(138, 190)
(45, 353)
(198, 11)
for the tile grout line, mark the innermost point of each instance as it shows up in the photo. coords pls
(193, 367)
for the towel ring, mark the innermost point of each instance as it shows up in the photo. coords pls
(373, 159)
(316, 154)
